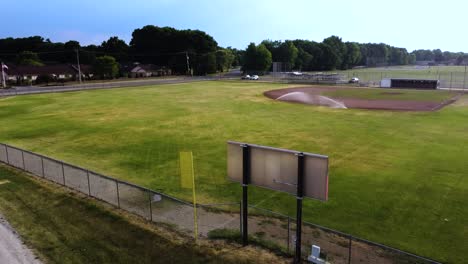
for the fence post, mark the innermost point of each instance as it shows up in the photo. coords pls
(150, 206)
(451, 74)
(89, 185)
(245, 184)
(22, 157)
(118, 197)
(349, 250)
(289, 228)
(7, 158)
(464, 79)
(240, 217)
(63, 174)
(299, 197)
(42, 165)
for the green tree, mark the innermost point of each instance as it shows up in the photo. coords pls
(115, 47)
(399, 56)
(257, 59)
(353, 55)
(329, 59)
(287, 53)
(411, 59)
(224, 59)
(166, 45)
(263, 58)
(106, 67)
(303, 60)
(28, 58)
(206, 64)
(438, 55)
(238, 54)
(71, 47)
(337, 47)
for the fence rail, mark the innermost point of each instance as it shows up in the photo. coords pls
(265, 226)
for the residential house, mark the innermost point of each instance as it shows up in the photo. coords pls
(148, 70)
(59, 72)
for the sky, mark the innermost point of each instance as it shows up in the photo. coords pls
(411, 24)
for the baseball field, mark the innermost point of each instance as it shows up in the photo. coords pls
(396, 177)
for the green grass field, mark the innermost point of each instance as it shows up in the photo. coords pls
(398, 178)
(61, 227)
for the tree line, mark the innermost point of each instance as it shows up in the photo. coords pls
(196, 52)
(184, 51)
(332, 54)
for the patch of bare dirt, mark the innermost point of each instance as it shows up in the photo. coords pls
(394, 105)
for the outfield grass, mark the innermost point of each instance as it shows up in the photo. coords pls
(390, 94)
(62, 228)
(398, 178)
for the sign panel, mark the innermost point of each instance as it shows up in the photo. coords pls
(277, 169)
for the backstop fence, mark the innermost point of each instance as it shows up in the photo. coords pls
(269, 229)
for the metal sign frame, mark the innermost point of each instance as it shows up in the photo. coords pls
(299, 186)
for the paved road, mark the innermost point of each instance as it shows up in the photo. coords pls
(20, 90)
(12, 250)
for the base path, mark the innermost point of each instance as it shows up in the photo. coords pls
(12, 250)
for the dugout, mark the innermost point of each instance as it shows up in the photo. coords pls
(414, 83)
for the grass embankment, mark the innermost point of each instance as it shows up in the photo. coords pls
(398, 178)
(63, 227)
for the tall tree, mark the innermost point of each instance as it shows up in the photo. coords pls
(257, 59)
(303, 60)
(337, 47)
(168, 46)
(106, 67)
(224, 59)
(353, 55)
(287, 53)
(116, 48)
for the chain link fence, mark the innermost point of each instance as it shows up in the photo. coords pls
(447, 80)
(266, 228)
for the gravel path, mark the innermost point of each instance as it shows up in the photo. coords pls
(12, 250)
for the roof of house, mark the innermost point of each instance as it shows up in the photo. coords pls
(85, 68)
(147, 68)
(56, 69)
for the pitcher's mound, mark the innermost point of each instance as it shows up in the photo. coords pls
(309, 98)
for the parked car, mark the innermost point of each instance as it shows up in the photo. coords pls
(254, 77)
(354, 80)
(246, 77)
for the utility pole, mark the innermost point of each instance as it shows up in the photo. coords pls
(3, 76)
(78, 62)
(188, 63)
